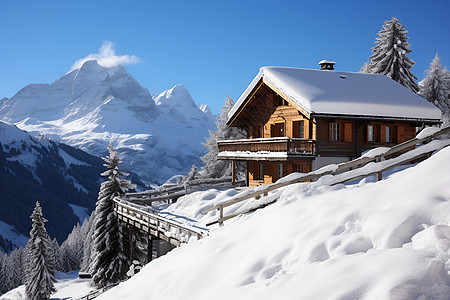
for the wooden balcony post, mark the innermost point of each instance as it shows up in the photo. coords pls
(233, 172)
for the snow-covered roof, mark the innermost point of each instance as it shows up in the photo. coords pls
(343, 93)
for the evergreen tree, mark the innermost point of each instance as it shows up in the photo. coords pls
(193, 173)
(88, 244)
(71, 250)
(40, 262)
(389, 55)
(2, 273)
(16, 262)
(110, 262)
(215, 168)
(435, 87)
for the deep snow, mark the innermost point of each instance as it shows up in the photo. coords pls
(371, 240)
(384, 240)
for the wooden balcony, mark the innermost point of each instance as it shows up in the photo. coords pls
(280, 148)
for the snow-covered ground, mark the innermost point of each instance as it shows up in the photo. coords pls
(383, 240)
(69, 286)
(369, 240)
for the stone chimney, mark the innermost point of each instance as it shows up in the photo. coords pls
(327, 64)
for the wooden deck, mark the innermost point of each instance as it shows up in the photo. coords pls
(148, 220)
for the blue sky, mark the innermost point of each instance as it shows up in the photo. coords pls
(214, 48)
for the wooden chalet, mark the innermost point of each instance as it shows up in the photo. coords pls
(299, 120)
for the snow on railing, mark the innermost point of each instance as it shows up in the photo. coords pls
(149, 221)
(376, 157)
(174, 192)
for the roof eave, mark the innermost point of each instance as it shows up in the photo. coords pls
(369, 117)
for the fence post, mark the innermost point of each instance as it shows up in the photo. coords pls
(220, 215)
(233, 172)
(379, 174)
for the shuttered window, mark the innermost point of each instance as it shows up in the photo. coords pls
(348, 132)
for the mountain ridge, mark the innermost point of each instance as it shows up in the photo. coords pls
(92, 106)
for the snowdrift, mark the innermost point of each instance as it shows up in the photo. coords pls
(384, 240)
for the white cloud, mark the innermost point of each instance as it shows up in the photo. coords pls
(107, 57)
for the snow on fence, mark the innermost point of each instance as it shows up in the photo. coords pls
(148, 220)
(381, 161)
(175, 192)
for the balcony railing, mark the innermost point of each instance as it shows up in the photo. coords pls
(283, 146)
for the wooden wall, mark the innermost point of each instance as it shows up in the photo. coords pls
(353, 138)
(271, 170)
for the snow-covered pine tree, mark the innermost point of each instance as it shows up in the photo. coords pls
(435, 87)
(88, 244)
(16, 261)
(110, 264)
(71, 250)
(365, 68)
(193, 173)
(389, 55)
(40, 261)
(2, 276)
(215, 168)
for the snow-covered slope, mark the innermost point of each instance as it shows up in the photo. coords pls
(94, 105)
(39, 169)
(383, 240)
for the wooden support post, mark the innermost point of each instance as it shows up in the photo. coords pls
(379, 176)
(131, 241)
(149, 248)
(220, 215)
(233, 172)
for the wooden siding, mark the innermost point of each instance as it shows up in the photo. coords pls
(356, 143)
(271, 170)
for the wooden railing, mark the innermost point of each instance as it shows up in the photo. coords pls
(337, 169)
(174, 192)
(292, 146)
(148, 220)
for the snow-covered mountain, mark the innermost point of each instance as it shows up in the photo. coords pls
(94, 105)
(63, 179)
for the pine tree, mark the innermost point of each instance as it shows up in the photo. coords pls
(2, 273)
(88, 244)
(215, 168)
(110, 263)
(435, 87)
(71, 250)
(16, 261)
(40, 262)
(193, 173)
(389, 55)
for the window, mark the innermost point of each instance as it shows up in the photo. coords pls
(388, 134)
(370, 133)
(277, 130)
(280, 171)
(299, 129)
(334, 132)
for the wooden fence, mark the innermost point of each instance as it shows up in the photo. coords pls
(344, 167)
(148, 220)
(172, 193)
